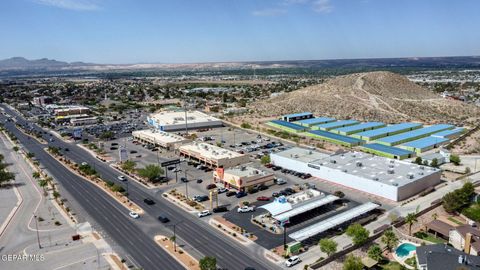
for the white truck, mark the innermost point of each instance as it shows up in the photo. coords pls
(245, 209)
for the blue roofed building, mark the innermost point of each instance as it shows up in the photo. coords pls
(387, 151)
(337, 124)
(413, 135)
(297, 116)
(334, 138)
(449, 133)
(358, 128)
(371, 135)
(315, 121)
(424, 144)
(287, 126)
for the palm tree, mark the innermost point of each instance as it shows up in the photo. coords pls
(389, 239)
(410, 219)
(36, 175)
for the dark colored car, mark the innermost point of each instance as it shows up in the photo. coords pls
(230, 193)
(184, 180)
(240, 194)
(66, 149)
(275, 194)
(199, 181)
(211, 186)
(262, 187)
(202, 198)
(220, 209)
(163, 219)
(253, 190)
(148, 201)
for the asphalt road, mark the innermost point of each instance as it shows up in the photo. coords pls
(137, 237)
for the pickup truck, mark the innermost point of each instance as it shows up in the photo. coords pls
(245, 209)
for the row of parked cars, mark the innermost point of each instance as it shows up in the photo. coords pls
(287, 171)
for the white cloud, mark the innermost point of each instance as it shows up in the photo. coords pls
(322, 6)
(82, 5)
(269, 12)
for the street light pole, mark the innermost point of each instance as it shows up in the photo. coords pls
(36, 226)
(126, 182)
(186, 184)
(174, 238)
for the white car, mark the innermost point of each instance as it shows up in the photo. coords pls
(245, 209)
(292, 261)
(121, 178)
(221, 190)
(204, 213)
(281, 181)
(134, 215)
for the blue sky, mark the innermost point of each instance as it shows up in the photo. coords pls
(178, 31)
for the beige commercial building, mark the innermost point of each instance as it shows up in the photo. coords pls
(242, 177)
(175, 121)
(160, 138)
(212, 156)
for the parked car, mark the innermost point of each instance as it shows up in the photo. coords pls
(230, 193)
(122, 178)
(280, 181)
(221, 190)
(184, 179)
(275, 194)
(240, 194)
(262, 187)
(204, 213)
(163, 219)
(263, 198)
(253, 190)
(245, 209)
(134, 215)
(199, 181)
(211, 186)
(220, 209)
(292, 261)
(149, 201)
(200, 198)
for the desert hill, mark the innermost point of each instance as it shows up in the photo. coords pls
(380, 96)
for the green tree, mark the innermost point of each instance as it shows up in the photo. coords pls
(328, 246)
(15, 148)
(246, 125)
(265, 159)
(129, 165)
(410, 219)
(5, 176)
(434, 163)
(389, 239)
(358, 233)
(106, 135)
(208, 263)
(36, 175)
(352, 263)
(418, 160)
(151, 172)
(375, 252)
(455, 159)
(43, 183)
(459, 198)
(30, 155)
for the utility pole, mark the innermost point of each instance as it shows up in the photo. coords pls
(185, 108)
(36, 226)
(186, 184)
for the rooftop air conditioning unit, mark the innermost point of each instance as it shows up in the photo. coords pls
(395, 184)
(359, 164)
(392, 161)
(333, 161)
(295, 156)
(375, 178)
(421, 168)
(390, 171)
(421, 173)
(345, 170)
(410, 175)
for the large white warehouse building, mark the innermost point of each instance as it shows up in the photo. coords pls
(175, 121)
(388, 178)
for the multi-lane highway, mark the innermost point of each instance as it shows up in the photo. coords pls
(136, 237)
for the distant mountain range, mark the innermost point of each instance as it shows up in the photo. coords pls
(44, 64)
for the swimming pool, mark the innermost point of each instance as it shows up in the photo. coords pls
(405, 249)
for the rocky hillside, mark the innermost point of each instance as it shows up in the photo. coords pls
(380, 96)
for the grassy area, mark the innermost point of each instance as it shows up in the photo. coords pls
(472, 212)
(392, 266)
(454, 220)
(411, 261)
(429, 237)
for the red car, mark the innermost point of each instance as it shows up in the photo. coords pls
(263, 198)
(211, 186)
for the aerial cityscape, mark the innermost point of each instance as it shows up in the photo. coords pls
(239, 135)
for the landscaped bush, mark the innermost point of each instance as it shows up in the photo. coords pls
(472, 212)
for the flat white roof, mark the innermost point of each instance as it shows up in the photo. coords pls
(209, 151)
(158, 136)
(307, 206)
(173, 118)
(245, 171)
(332, 222)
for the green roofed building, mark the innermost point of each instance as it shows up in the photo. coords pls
(286, 126)
(358, 128)
(387, 151)
(334, 138)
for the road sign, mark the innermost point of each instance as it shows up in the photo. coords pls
(77, 133)
(123, 154)
(170, 162)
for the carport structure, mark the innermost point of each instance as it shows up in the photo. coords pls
(283, 210)
(333, 222)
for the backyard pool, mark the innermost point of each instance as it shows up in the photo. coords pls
(405, 249)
